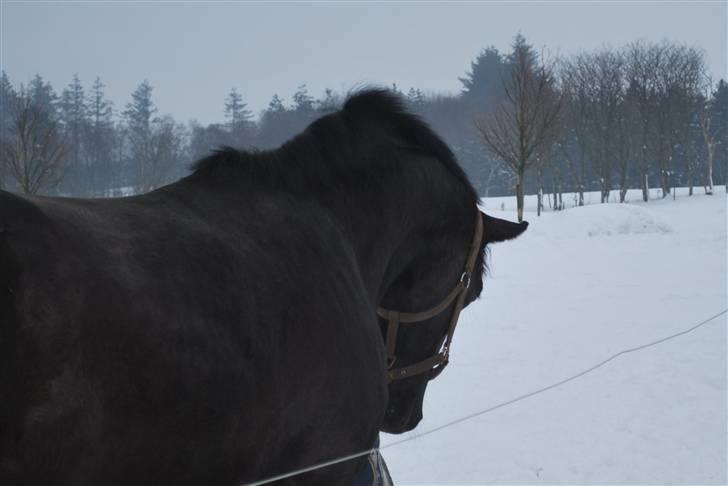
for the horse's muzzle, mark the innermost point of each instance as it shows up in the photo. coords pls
(396, 422)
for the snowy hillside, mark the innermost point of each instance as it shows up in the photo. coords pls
(579, 286)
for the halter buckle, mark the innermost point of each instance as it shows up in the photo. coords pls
(465, 279)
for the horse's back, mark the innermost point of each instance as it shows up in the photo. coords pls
(159, 339)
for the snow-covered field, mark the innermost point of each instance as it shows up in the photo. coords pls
(579, 286)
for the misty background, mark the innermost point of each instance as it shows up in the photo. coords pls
(115, 98)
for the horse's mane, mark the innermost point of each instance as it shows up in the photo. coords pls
(371, 119)
(387, 107)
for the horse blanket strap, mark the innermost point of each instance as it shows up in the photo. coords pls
(434, 364)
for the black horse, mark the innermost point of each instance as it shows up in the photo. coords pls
(224, 328)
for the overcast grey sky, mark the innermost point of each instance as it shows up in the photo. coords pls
(194, 52)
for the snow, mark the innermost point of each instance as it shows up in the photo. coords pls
(602, 220)
(579, 286)
(124, 191)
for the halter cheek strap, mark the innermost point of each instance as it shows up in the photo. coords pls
(434, 364)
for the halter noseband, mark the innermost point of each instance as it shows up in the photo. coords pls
(435, 364)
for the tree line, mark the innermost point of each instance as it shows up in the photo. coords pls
(639, 116)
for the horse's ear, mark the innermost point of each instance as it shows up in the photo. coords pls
(496, 230)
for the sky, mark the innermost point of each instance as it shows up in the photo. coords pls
(193, 53)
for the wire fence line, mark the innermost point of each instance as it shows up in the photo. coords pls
(490, 409)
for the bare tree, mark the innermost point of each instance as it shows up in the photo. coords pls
(574, 139)
(594, 91)
(544, 160)
(525, 124)
(494, 170)
(681, 80)
(710, 136)
(604, 88)
(643, 62)
(33, 152)
(557, 178)
(625, 142)
(719, 117)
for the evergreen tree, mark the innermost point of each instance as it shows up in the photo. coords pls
(73, 103)
(278, 124)
(140, 110)
(240, 125)
(100, 109)
(43, 96)
(7, 101)
(415, 97)
(302, 101)
(522, 55)
(276, 105)
(7, 96)
(138, 116)
(73, 113)
(485, 80)
(395, 89)
(329, 103)
(99, 137)
(236, 112)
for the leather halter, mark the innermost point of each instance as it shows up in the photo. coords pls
(435, 364)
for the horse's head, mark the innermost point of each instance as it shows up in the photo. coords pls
(444, 276)
(426, 262)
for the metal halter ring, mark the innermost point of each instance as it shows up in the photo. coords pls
(465, 280)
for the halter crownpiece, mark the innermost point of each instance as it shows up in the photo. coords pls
(435, 364)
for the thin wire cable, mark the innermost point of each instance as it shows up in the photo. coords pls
(490, 409)
(554, 385)
(311, 468)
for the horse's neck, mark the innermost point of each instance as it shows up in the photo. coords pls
(378, 231)
(378, 222)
